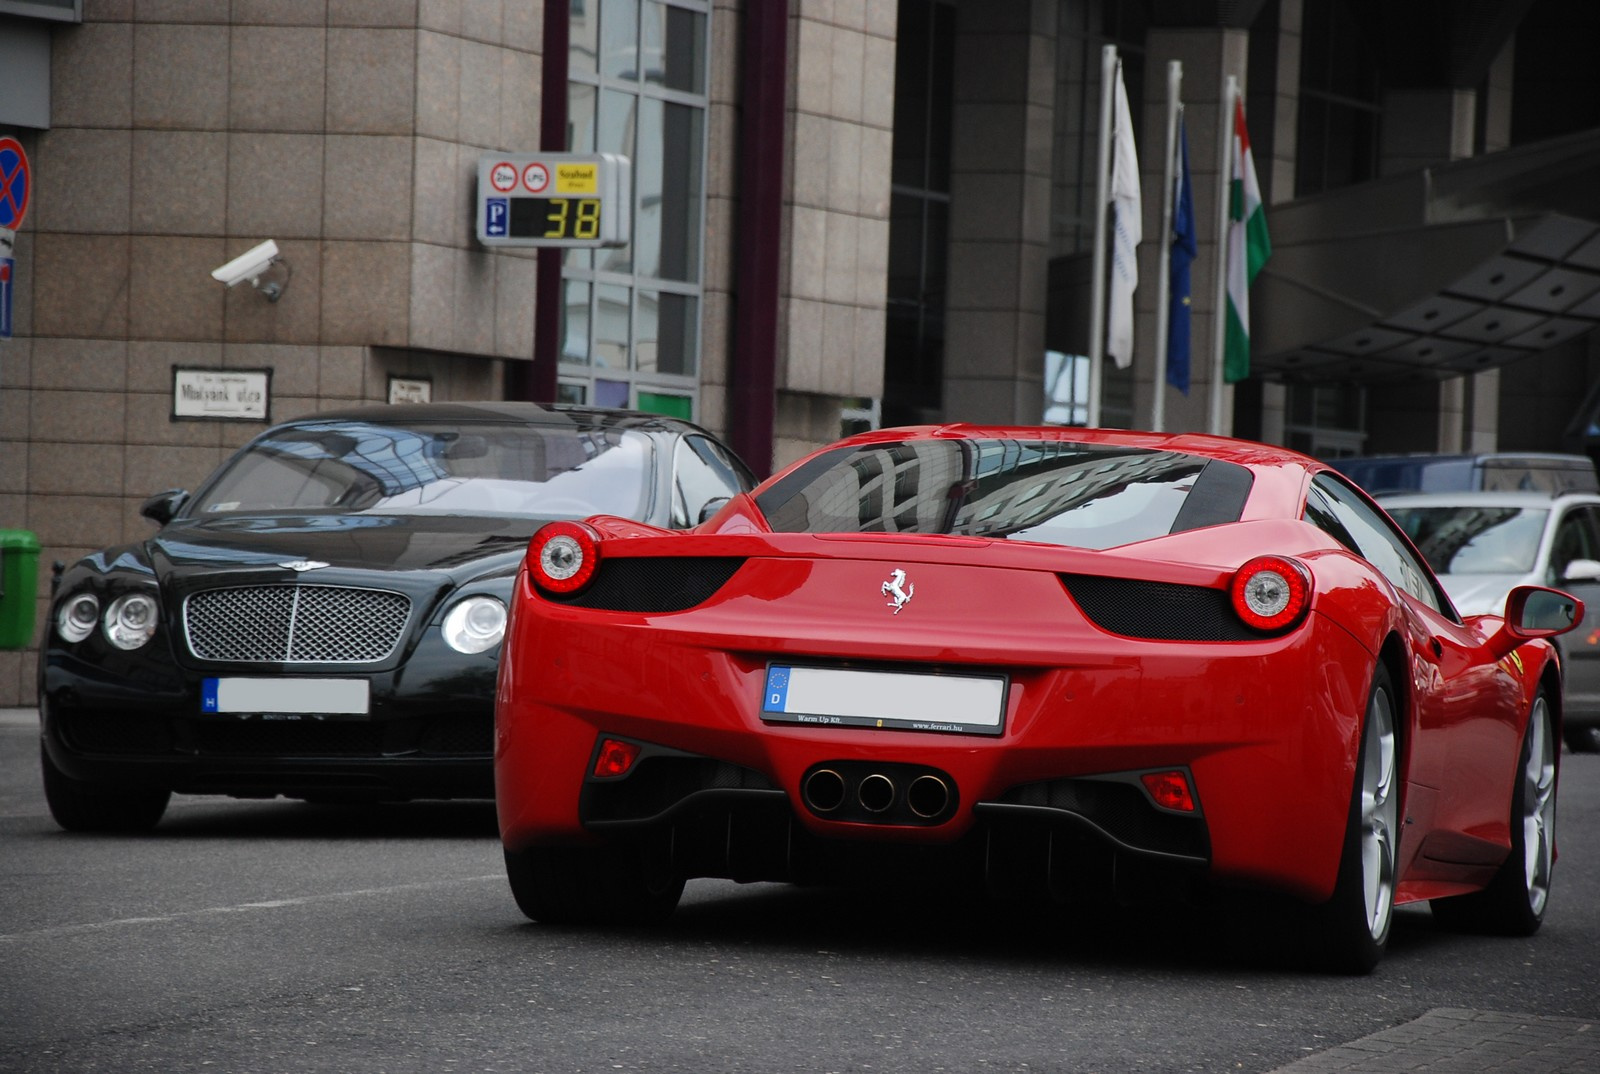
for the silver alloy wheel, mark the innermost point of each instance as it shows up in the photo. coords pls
(1380, 815)
(1539, 806)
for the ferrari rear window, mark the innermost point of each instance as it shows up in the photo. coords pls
(1055, 492)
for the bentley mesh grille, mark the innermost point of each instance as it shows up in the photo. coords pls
(297, 624)
(1159, 611)
(655, 584)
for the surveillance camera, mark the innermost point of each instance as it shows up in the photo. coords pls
(248, 265)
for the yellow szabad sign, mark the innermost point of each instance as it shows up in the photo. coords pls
(577, 179)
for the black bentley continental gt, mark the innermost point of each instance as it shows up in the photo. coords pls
(322, 618)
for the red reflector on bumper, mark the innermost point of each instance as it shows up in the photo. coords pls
(614, 758)
(1170, 790)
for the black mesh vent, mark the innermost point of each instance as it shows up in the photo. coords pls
(1120, 810)
(458, 735)
(290, 738)
(117, 733)
(659, 783)
(1160, 611)
(655, 584)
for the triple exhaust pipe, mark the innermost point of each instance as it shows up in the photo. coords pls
(878, 793)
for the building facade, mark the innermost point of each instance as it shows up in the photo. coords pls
(846, 213)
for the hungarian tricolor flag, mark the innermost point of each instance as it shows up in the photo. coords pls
(1248, 249)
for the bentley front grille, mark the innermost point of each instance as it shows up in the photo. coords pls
(295, 624)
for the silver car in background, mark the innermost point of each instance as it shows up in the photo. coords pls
(1483, 543)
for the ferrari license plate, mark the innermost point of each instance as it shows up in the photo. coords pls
(279, 695)
(907, 701)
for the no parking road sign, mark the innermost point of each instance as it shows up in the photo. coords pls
(16, 183)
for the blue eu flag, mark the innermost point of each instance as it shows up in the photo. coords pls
(1182, 253)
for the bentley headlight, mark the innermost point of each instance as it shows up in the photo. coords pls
(131, 620)
(475, 624)
(76, 617)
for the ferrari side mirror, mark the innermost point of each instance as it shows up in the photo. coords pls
(1535, 612)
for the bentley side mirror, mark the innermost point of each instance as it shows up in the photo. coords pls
(712, 506)
(163, 507)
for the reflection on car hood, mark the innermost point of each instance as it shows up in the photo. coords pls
(1481, 594)
(390, 542)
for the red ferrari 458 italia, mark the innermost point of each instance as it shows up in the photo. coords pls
(1049, 659)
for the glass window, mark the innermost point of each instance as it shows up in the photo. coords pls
(1340, 91)
(674, 47)
(1055, 492)
(426, 468)
(575, 322)
(666, 333)
(612, 319)
(1575, 539)
(1473, 538)
(702, 475)
(919, 207)
(619, 39)
(634, 311)
(1341, 512)
(583, 36)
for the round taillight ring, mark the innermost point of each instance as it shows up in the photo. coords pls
(563, 556)
(1271, 593)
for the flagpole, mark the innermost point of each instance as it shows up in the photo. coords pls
(1097, 301)
(1158, 404)
(1225, 177)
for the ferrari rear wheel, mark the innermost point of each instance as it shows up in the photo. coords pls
(1514, 902)
(1356, 921)
(87, 807)
(591, 886)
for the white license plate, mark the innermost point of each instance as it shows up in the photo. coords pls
(307, 696)
(907, 701)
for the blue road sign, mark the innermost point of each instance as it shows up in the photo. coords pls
(16, 181)
(8, 272)
(497, 215)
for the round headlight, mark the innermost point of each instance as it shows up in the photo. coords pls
(75, 619)
(131, 620)
(475, 624)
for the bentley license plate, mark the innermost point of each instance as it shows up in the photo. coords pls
(907, 701)
(279, 695)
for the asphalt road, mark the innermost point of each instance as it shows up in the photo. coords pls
(278, 936)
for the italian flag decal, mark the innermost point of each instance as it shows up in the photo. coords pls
(1248, 249)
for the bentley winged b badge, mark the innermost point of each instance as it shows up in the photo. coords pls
(898, 590)
(300, 566)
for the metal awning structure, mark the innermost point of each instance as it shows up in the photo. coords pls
(1435, 273)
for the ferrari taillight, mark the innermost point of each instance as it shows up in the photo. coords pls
(563, 556)
(614, 758)
(1271, 593)
(1170, 790)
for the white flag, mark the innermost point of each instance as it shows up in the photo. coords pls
(1126, 229)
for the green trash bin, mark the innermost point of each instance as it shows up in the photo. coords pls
(19, 582)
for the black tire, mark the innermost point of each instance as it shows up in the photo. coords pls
(87, 807)
(1353, 930)
(1582, 738)
(1514, 902)
(590, 886)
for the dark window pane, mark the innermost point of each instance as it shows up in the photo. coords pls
(674, 48)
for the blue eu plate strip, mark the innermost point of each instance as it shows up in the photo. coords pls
(777, 690)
